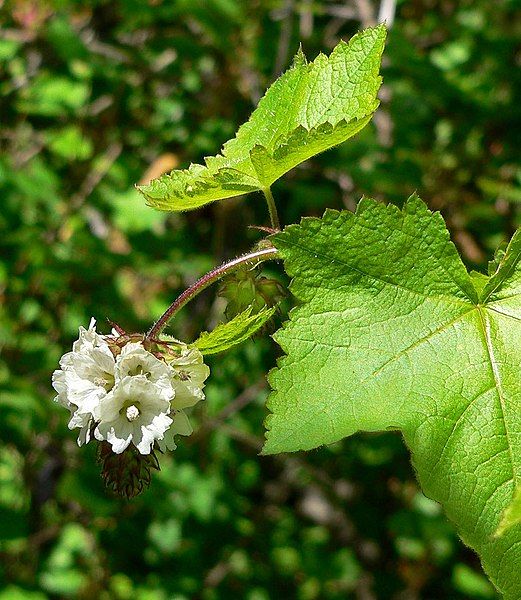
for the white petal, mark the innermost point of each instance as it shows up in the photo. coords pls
(198, 373)
(181, 424)
(165, 388)
(110, 405)
(119, 440)
(78, 420)
(88, 338)
(84, 436)
(185, 395)
(152, 432)
(188, 356)
(59, 383)
(104, 359)
(168, 442)
(151, 398)
(118, 444)
(129, 349)
(67, 360)
(135, 360)
(87, 372)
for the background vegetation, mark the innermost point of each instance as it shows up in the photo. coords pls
(96, 96)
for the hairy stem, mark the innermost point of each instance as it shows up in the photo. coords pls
(253, 258)
(274, 215)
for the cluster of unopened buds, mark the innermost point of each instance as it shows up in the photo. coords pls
(129, 393)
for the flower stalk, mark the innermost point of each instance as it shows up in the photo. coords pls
(253, 258)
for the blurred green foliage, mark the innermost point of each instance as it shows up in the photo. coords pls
(96, 96)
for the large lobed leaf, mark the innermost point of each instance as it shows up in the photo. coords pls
(310, 108)
(392, 333)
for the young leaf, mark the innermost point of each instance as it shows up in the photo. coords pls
(234, 332)
(310, 108)
(391, 333)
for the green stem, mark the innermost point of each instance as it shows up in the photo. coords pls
(253, 258)
(274, 216)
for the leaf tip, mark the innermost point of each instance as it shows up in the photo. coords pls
(299, 60)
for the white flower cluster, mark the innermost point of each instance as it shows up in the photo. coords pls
(128, 396)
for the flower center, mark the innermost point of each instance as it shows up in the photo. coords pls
(139, 370)
(183, 375)
(132, 412)
(105, 380)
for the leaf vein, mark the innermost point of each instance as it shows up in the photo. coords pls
(485, 503)
(456, 423)
(497, 379)
(336, 260)
(417, 343)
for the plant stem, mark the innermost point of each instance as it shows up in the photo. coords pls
(201, 284)
(272, 207)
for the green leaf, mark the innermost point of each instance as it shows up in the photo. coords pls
(53, 96)
(70, 143)
(310, 108)
(471, 584)
(130, 214)
(511, 515)
(391, 334)
(236, 331)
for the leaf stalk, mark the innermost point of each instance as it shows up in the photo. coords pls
(272, 208)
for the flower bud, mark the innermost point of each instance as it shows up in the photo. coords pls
(245, 287)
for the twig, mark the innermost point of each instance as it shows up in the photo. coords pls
(387, 12)
(94, 177)
(284, 38)
(365, 12)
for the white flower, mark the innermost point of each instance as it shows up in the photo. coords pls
(135, 360)
(88, 338)
(189, 375)
(131, 398)
(85, 377)
(135, 411)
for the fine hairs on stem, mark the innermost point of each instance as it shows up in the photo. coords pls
(252, 258)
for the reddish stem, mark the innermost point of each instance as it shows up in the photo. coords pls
(253, 258)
